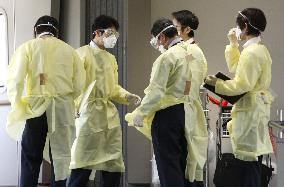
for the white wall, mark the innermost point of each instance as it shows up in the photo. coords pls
(8, 156)
(27, 13)
(7, 5)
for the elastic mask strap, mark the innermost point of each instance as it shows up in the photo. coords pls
(47, 24)
(249, 21)
(44, 34)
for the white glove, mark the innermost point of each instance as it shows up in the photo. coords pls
(211, 80)
(232, 36)
(138, 121)
(133, 99)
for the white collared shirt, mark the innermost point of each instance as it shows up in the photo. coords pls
(191, 40)
(175, 41)
(93, 45)
(252, 41)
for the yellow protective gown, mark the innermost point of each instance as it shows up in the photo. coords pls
(176, 78)
(250, 115)
(54, 76)
(98, 143)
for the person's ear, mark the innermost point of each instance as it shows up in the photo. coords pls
(98, 33)
(187, 30)
(246, 29)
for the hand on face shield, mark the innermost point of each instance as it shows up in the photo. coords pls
(233, 36)
(211, 80)
(138, 121)
(133, 99)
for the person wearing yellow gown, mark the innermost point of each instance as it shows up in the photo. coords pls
(250, 115)
(52, 76)
(186, 23)
(98, 143)
(169, 113)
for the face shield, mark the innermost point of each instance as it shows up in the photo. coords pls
(154, 40)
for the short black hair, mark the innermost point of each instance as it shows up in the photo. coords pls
(104, 22)
(52, 25)
(161, 24)
(187, 19)
(254, 17)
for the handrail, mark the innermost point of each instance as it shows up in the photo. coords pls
(277, 125)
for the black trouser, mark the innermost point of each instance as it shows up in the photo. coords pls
(170, 147)
(80, 178)
(33, 142)
(248, 173)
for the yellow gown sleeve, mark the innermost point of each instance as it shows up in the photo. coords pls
(232, 56)
(17, 72)
(247, 74)
(79, 76)
(119, 94)
(157, 87)
(86, 65)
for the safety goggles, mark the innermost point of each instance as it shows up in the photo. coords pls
(109, 32)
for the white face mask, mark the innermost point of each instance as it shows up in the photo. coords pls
(154, 43)
(162, 48)
(238, 32)
(109, 42)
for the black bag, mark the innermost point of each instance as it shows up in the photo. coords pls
(226, 171)
(266, 173)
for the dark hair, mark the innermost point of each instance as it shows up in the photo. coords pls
(52, 25)
(161, 24)
(255, 20)
(104, 22)
(187, 19)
